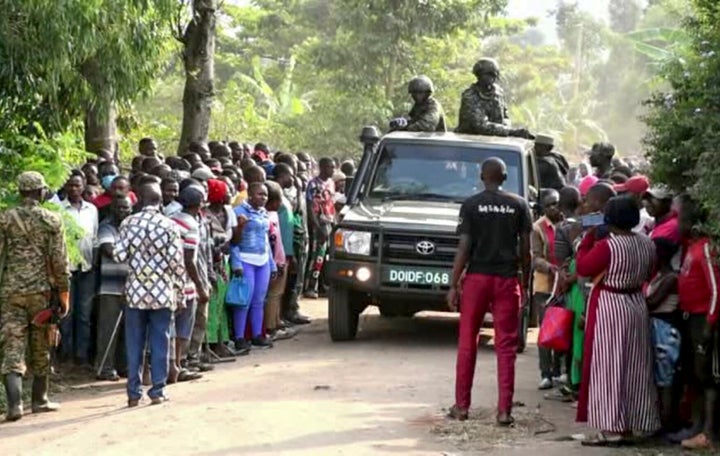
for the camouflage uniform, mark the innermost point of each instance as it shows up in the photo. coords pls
(426, 116)
(483, 113)
(34, 258)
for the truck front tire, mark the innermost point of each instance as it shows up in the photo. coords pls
(343, 315)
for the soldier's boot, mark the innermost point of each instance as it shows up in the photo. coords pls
(40, 401)
(13, 391)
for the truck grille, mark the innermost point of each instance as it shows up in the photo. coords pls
(399, 248)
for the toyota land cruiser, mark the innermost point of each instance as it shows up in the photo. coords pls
(396, 241)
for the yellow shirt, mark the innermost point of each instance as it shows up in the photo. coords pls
(239, 198)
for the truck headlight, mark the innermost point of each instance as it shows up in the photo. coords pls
(353, 242)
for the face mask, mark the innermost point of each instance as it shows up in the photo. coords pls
(107, 181)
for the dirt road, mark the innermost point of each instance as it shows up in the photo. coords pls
(380, 395)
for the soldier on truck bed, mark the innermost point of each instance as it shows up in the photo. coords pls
(482, 108)
(426, 114)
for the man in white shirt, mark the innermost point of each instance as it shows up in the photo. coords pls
(76, 328)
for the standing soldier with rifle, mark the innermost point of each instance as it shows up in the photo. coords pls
(35, 266)
(482, 108)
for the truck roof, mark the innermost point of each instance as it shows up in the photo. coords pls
(509, 142)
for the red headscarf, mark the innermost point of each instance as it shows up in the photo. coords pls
(217, 191)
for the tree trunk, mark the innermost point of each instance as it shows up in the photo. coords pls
(199, 60)
(101, 129)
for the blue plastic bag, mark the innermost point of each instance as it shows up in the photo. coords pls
(238, 292)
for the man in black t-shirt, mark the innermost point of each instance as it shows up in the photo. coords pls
(494, 248)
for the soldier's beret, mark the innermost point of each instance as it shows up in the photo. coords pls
(30, 180)
(544, 139)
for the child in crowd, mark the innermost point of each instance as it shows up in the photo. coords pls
(252, 258)
(280, 239)
(662, 301)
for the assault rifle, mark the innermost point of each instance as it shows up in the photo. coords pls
(50, 319)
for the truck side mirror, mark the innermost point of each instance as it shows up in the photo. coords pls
(370, 135)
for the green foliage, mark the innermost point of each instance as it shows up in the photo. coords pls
(659, 44)
(72, 232)
(308, 74)
(57, 57)
(52, 156)
(683, 122)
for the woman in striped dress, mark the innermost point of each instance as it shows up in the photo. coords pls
(618, 395)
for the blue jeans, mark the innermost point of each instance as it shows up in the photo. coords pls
(153, 325)
(75, 329)
(185, 320)
(258, 278)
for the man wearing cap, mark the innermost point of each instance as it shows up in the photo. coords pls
(203, 173)
(33, 260)
(659, 201)
(636, 187)
(196, 291)
(552, 167)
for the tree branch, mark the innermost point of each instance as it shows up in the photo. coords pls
(179, 32)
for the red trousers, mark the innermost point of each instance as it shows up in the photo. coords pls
(500, 295)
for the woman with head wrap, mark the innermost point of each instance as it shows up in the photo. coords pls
(222, 222)
(617, 391)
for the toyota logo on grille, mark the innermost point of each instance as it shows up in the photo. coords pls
(425, 248)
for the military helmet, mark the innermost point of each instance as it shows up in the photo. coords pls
(484, 66)
(30, 180)
(420, 84)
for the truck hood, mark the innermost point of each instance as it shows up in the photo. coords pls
(405, 215)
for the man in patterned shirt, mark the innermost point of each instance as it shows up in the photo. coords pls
(151, 246)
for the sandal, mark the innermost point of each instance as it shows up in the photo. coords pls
(558, 396)
(108, 376)
(604, 440)
(186, 375)
(456, 413)
(507, 422)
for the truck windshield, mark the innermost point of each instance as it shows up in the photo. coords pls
(438, 172)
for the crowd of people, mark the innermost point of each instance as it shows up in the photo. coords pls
(167, 243)
(194, 258)
(632, 263)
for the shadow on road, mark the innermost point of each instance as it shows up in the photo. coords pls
(427, 330)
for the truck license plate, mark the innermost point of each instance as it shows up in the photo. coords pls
(417, 276)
